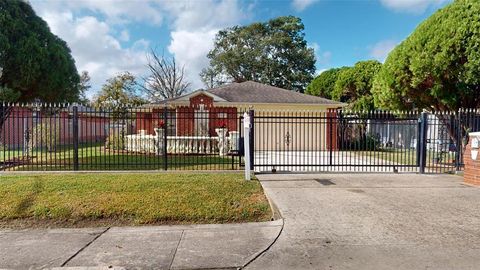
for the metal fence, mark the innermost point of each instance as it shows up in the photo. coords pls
(45, 137)
(348, 141)
(60, 137)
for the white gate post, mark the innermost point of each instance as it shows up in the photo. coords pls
(246, 144)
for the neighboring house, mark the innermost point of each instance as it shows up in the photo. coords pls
(92, 126)
(199, 113)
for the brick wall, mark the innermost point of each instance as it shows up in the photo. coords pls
(472, 167)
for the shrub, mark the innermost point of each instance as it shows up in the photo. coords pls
(367, 142)
(46, 134)
(115, 141)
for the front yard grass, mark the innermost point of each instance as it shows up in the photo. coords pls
(96, 157)
(79, 200)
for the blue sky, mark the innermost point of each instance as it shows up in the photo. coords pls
(110, 36)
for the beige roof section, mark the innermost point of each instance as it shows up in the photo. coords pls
(250, 92)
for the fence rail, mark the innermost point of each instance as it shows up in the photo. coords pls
(62, 137)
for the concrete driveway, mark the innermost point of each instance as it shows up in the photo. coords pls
(373, 221)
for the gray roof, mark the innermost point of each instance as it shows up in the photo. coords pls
(254, 92)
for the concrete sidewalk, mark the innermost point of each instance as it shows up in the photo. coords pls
(155, 247)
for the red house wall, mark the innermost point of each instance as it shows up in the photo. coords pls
(185, 121)
(90, 127)
(185, 117)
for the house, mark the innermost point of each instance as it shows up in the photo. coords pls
(92, 125)
(201, 112)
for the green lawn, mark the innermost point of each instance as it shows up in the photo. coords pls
(129, 199)
(96, 157)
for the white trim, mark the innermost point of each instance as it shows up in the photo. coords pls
(187, 97)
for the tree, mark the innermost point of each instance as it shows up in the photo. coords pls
(354, 85)
(35, 62)
(166, 80)
(84, 86)
(273, 52)
(324, 83)
(212, 78)
(36, 65)
(119, 92)
(438, 66)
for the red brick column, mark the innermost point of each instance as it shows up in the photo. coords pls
(472, 167)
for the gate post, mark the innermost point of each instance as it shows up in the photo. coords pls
(75, 137)
(330, 116)
(165, 129)
(252, 138)
(458, 142)
(247, 145)
(422, 145)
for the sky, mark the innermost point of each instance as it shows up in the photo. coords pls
(111, 36)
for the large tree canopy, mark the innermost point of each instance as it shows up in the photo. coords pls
(274, 53)
(354, 85)
(119, 91)
(323, 84)
(36, 64)
(438, 66)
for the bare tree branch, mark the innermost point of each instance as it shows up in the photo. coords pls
(166, 79)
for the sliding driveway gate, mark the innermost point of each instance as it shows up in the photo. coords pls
(343, 141)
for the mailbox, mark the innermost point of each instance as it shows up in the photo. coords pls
(475, 141)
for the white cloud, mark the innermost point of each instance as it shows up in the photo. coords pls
(94, 48)
(124, 36)
(300, 5)
(381, 49)
(194, 27)
(114, 11)
(323, 57)
(413, 6)
(195, 59)
(95, 30)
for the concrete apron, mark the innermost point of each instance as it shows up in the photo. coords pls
(155, 247)
(373, 221)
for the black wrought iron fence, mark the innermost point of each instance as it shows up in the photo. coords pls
(47, 137)
(351, 141)
(62, 137)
